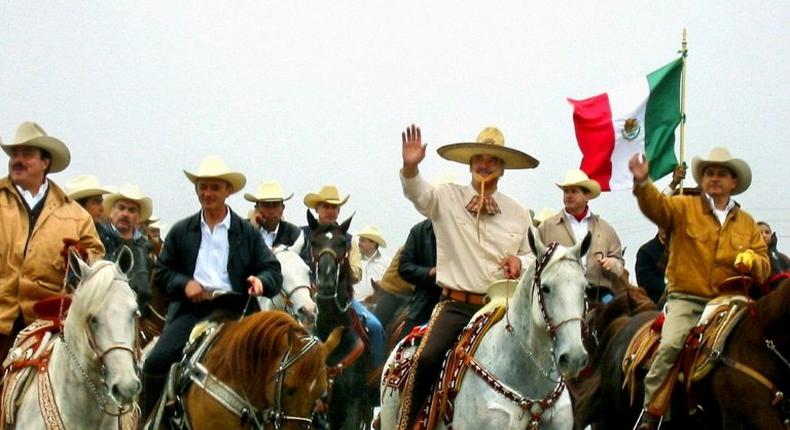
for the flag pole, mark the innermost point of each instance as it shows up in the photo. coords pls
(683, 55)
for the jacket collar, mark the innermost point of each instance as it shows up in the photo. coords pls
(54, 190)
(707, 207)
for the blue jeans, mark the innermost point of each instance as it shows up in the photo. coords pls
(375, 333)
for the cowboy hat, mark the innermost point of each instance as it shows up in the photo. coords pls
(372, 233)
(490, 141)
(155, 225)
(577, 178)
(720, 156)
(31, 134)
(328, 194)
(152, 219)
(212, 167)
(543, 215)
(133, 193)
(268, 191)
(83, 186)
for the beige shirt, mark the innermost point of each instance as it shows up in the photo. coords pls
(462, 262)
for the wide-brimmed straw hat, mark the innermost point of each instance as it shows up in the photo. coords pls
(212, 167)
(720, 156)
(31, 134)
(328, 194)
(83, 186)
(577, 178)
(490, 141)
(268, 191)
(543, 215)
(133, 193)
(373, 233)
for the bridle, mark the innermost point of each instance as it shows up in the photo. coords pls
(339, 261)
(551, 328)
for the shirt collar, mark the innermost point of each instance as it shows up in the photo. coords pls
(572, 218)
(27, 195)
(225, 221)
(730, 203)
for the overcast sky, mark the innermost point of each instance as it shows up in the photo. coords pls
(315, 92)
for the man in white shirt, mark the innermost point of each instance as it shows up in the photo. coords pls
(604, 260)
(481, 237)
(374, 263)
(268, 216)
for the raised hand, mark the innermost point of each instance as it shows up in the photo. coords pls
(413, 150)
(639, 167)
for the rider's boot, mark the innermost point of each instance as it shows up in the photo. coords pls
(152, 389)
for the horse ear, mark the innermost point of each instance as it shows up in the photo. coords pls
(298, 243)
(124, 259)
(79, 267)
(584, 246)
(535, 244)
(347, 223)
(311, 221)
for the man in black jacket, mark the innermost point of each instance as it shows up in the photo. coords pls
(268, 215)
(212, 251)
(418, 266)
(651, 265)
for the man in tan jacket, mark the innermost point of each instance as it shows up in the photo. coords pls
(37, 216)
(604, 260)
(712, 240)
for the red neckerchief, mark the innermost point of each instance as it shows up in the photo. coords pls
(580, 216)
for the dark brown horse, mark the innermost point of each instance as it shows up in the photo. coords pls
(729, 399)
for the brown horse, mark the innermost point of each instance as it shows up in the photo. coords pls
(728, 398)
(270, 361)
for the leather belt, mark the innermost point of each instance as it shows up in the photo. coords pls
(463, 296)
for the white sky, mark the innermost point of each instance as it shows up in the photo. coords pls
(315, 92)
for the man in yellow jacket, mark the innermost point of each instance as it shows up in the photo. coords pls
(36, 217)
(712, 240)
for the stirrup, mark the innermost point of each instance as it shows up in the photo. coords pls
(642, 414)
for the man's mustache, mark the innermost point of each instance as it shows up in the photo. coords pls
(17, 166)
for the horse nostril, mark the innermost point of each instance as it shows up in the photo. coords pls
(562, 362)
(116, 392)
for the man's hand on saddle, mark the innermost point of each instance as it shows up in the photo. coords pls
(195, 292)
(745, 260)
(639, 167)
(413, 150)
(511, 265)
(256, 286)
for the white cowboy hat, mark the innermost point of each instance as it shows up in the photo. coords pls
(720, 156)
(83, 186)
(490, 141)
(31, 134)
(133, 193)
(268, 191)
(212, 167)
(152, 219)
(577, 178)
(155, 224)
(373, 233)
(328, 194)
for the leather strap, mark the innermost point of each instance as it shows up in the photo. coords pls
(465, 297)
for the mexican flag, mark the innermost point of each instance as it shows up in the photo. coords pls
(638, 117)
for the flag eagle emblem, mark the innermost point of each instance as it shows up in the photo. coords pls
(631, 128)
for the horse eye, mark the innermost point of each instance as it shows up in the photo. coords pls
(93, 321)
(545, 290)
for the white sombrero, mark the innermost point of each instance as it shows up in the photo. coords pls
(720, 156)
(490, 141)
(31, 134)
(212, 167)
(83, 186)
(577, 178)
(268, 191)
(133, 193)
(373, 233)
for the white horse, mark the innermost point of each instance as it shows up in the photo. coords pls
(294, 297)
(92, 368)
(528, 352)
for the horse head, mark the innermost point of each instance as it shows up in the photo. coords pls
(330, 251)
(559, 285)
(295, 295)
(101, 327)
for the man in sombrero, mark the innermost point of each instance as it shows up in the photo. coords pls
(198, 264)
(713, 240)
(89, 193)
(269, 202)
(481, 237)
(37, 216)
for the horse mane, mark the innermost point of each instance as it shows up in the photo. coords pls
(94, 292)
(248, 352)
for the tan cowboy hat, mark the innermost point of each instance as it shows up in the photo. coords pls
(268, 191)
(155, 224)
(31, 134)
(152, 220)
(212, 167)
(543, 215)
(490, 141)
(133, 193)
(373, 233)
(328, 194)
(83, 186)
(720, 156)
(577, 178)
